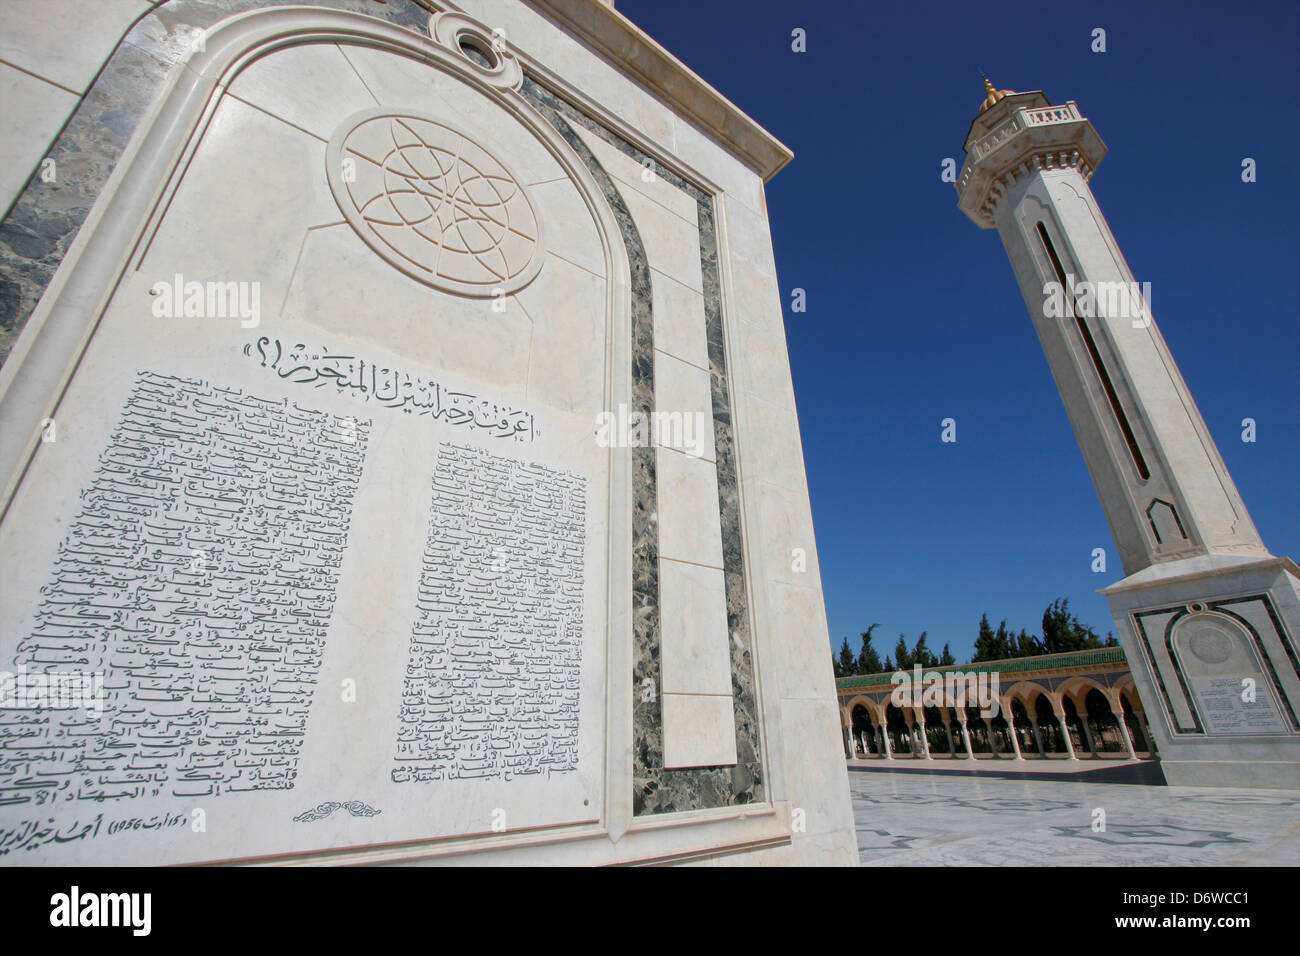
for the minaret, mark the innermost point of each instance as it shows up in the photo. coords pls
(1198, 572)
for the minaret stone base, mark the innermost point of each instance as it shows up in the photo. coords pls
(1210, 641)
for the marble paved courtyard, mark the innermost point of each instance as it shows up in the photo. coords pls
(937, 816)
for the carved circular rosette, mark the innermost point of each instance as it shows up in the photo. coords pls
(1211, 636)
(435, 204)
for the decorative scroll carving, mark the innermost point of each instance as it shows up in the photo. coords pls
(325, 810)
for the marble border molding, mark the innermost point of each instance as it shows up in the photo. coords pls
(657, 790)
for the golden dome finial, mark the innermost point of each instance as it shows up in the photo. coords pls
(992, 94)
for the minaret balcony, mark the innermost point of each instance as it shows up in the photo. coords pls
(1029, 137)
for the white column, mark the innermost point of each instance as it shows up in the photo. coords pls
(1011, 729)
(1087, 732)
(1123, 729)
(1065, 729)
(965, 737)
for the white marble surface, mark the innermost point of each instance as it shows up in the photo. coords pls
(772, 429)
(683, 394)
(281, 195)
(788, 544)
(798, 673)
(31, 112)
(689, 528)
(563, 305)
(68, 41)
(694, 646)
(671, 243)
(679, 320)
(699, 730)
(906, 818)
(757, 296)
(767, 364)
(568, 225)
(312, 86)
(253, 207)
(641, 177)
(545, 344)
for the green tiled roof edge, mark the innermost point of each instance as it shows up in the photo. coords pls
(1042, 662)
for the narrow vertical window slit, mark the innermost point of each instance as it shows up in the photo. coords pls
(1107, 385)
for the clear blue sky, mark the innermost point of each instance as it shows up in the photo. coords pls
(914, 315)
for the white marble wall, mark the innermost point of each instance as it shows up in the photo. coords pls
(806, 771)
(252, 205)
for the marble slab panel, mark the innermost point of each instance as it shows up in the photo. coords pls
(67, 41)
(693, 618)
(699, 731)
(312, 86)
(683, 408)
(689, 528)
(672, 244)
(679, 320)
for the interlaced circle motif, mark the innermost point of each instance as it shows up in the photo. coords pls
(434, 203)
